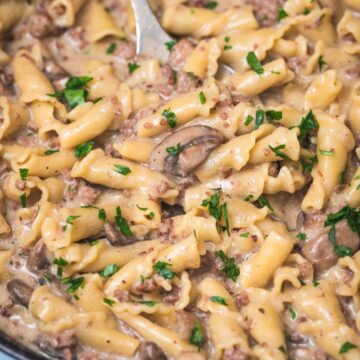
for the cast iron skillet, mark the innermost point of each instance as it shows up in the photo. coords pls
(16, 350)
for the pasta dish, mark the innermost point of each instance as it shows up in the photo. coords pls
(159, 211)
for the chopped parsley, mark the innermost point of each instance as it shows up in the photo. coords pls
(249, 197)
(282, 14)
(273, 115)
(121, 223)
(306, 11)
(170, 45)
(102, 213)
(202, 97)
(23, 200)
(170, 117)
(227, 47)
(162, 268)
(254, 63)
(248, 120)
(262, 202)
(109, 301)
(259, 118)
(321, 62)
(308, 166)
(216, 209)
(51, 151)
(229, 268)
(149, 303)
(132, 67)
(339, 250)
(327, 152)
(227, 39)
(110, 270)
(342, 177)
(345, 347)
(111, 49)
(308, 123)
(70, 219)
(82, 150)
(141, 208)
(23, 173)
(150, 215)
(174, 150)
(218, 299)
(211, 5)
(282, 349)
(74, 93)
(301, 236)
(60, 262)
(245, 235)
(293, 314)
(277, 152)
(74, 284)
(315, 283)
(94, 242)
(123, 170)
(197, 336)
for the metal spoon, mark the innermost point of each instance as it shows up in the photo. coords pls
(151, 37)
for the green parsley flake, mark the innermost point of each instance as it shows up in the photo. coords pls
(327, 152)
(321, 62)
(273, 115)
(249, 119)
(229, 266)
(254, 63)
(197, 336)
(123, 170)
(102, 215)
(262, 202)
(141, 208)
(23, 200)
(70, 219)
(259, 118)
(301, 236)
(249, 198)
(282, 349)
(110, 270)
(121, 223)
(170, 45)
(345, 347)
(94, 242)
(218, 299)
(315, 283)
(245, 235)
(227, 39)
(51, 151)
(132, 67)
(227, 47)
(306, 11)
(339, 250)
(82, 150)
(162, 268)
(211, 5)
(293, 314)
(23, 173)
(109, 302)
(282, 14)
(60, 262)
(149, 303)
(308, 123)
(174, 150)
(170, 117)
(150, 215)
(277, 152)
(308, 166)
(74, 284)
(111, 49)
(202, 97)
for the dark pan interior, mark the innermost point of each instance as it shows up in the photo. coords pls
(16, 350)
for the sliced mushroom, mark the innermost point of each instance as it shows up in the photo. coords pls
(150, 351)
(169, 211)
(19, 292)
(196, 144)
(37, 259)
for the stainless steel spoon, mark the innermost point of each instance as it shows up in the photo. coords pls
(151, 37)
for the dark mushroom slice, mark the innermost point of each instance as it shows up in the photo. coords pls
(19, 292)
(150, 351)
(195, 142)
(37, 260)
(116, 238)
(169, 211)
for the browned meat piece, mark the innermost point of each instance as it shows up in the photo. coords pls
(19, 292)
(266, 12)
(37, 259)
(6, 82)
(88, 194)
(150, 351)
(60, 345)
(196, 143)
(169, 211)
(209, 264)
(77, 37)
(5, 308)
(125, 50)
(168, 74)
(241, 299)
(116, 238)
(41, 26)
(347, 307)
(148, 285)
(234, 353)
(353, 71)
(128, 127)
(297, 62)
(185, 322)
(54, 71)
(165, 230)
(181, 52)
(122, 295)
(186, 82)
(317, 248)
(4, 167)
(172, 296)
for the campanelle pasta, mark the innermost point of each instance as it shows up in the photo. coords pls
(171, 210)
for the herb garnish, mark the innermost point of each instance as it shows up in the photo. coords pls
(70, 219)
(174, 150)
(109, 270)
(327, 152)
(301, 236)
(23, 200)
(121, 223)
(262, 202)
(74, 284)
(229, 266)
(23, 173)
(293, 314)
(170, 45)
(277, 152)
(111, 49)
(109, 301)
(307, 124)
(249, 119)
(345, 347)
(308, 166)
(150, 303)
(211, 5)
(82, 150)
(132, 67)
(218, 299)
(162, 268)
(202, 97)
(282, 14)
(170, 117)
(254, 63)
(123, 170)
(273, 115)
(321, 62)
(259, 118)
(60, 262)
(51, 151)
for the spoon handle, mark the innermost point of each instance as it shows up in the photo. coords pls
(150, 36)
